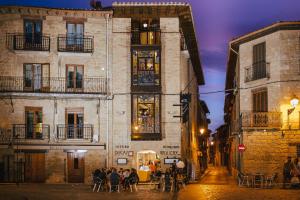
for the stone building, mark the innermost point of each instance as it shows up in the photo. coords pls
(85, 89)
(262, 80)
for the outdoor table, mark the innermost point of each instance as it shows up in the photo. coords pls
(258, 177)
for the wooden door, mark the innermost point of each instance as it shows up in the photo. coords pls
(75, 167)
(34, 167)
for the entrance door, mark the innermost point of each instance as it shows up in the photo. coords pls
(75, 167)
(35, 167)
(34, 122)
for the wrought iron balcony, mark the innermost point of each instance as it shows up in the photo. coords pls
(79, 44)
(261, 120)
(149, 36)
(82, 132)
(29, 42)
(88, 85)
(257, 71)
(36, 131)
(146, 136)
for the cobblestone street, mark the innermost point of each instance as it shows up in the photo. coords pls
(215, 185)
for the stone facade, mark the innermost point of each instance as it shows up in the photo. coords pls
(267, 145)
(109, 112)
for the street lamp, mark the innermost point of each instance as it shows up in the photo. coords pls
(202, 130)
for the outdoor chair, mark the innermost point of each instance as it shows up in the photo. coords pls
(269, 180)
(97, 182)
(244, 179)
(117, 186)
(133, 185)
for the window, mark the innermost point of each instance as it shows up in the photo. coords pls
(75, 122)
(74, 77)
(76, 163)
(146, 114)
(260, 100)
(33, 32)
(33, 120)
(259, 61)
(146, 67)
(145, 32)
(260, 108)
(75, 33)
(36, 77)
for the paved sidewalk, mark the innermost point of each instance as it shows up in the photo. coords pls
(215, 185)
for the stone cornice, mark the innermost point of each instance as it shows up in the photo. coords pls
(40, 11)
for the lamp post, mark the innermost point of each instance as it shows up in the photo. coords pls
(294, 102)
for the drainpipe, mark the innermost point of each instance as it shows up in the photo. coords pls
(107, 93)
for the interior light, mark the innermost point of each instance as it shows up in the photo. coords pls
(294, 101)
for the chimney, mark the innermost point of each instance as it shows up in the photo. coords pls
(96, 4)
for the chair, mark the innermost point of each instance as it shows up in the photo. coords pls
(269, 180)
(97, 181)
(258, 180)
(116, 186)
(244, 179)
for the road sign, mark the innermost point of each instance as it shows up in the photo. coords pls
(241, 147)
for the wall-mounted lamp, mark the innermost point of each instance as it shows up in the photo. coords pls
(294, 102)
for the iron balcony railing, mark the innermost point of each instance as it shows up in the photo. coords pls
(73, 43)
(90, 85)
(149, 36)
(257, 71)
(83, 131)
(261, 120)
(30, 42)
(34, 131)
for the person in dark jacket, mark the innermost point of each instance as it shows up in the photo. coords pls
(114, 179)
(287, 168)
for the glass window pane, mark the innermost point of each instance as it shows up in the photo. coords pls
(28, 75)
(70, 76)
(79, 77)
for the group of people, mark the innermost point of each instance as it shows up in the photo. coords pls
(113, 179)
(291, 173)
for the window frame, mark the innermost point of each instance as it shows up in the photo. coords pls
(256, 102)
(74, 88)
(138, 86)
(156, 96)
(43, 87)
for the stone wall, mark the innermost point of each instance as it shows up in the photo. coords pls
(266, 152)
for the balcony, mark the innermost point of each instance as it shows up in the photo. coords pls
(261, 120)
(149, 36)
(76, 44)
(80, 132)
(87, 85)
(146, 136)
(257, 71)
(27, 42)
(35, 132)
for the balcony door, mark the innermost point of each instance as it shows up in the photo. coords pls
(33, 33)
(260, 108)
(74, 122)
(74, 75)
(75, 33)
(36, 77)
(259, 61)
(34, 123)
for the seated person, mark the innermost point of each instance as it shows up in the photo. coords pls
(114, 178)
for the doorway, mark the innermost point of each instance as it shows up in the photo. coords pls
(75, 167)
(35, 167)
(74, 122)
(33, 122)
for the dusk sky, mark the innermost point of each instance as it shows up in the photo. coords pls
(217, 22)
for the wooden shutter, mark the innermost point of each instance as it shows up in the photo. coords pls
(260, 101)
(259, 53)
